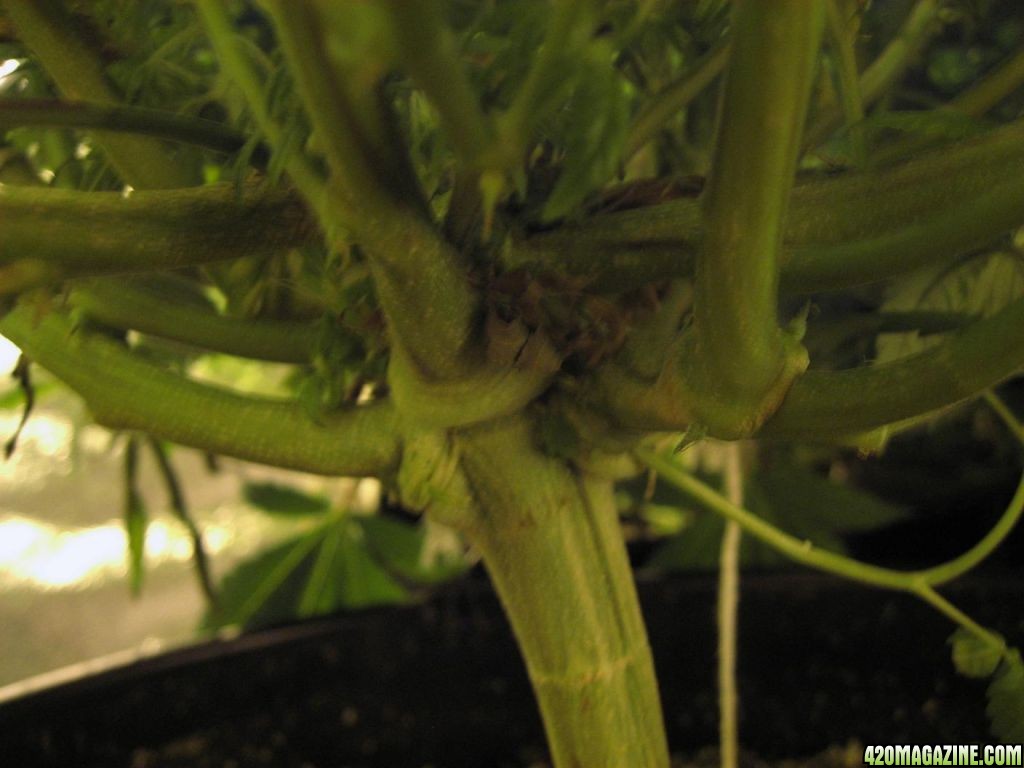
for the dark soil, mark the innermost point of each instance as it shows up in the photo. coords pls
(441, 684)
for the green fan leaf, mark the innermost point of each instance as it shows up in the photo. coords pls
(136, 519)
(136, 522)
(813, 504)
(326, 569)
(973, 656)
(409, 550)
(979, 286)
(1006, 700)
(284, 500)
(264, 589)
(360, 580)
(797, 500)
(593, 131)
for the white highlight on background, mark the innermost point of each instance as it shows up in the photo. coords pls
(38, 554)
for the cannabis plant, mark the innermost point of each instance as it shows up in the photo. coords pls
(518, 250)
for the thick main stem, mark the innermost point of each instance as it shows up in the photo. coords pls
(554, 549)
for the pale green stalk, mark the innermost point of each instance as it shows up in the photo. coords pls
(922, 23)
(851, 229)
(422, 285)
(842, 35)
(728, 614)
(674, 98)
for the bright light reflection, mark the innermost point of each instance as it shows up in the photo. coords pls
(9, 67)
(44, 448)
(8, 355)
(39, 554)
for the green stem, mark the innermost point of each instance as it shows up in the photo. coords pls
(493, 390)
(180, 510)
(955, 568)
(554, 549)
(919, 583)
(898, 55)
(728, 615)
(349, 149)
(53, 113)
(89, 233)
(1012, 422)
(429, 53)
(826, 405)
(842, 42)
(991, 89)
(805, 553)
(940, 205)
(920, 26)
(954, 614)
(422, 285)
(857, 400)
(565, 31)
(144, 307)
(46, 28)
(123, 391)
(674, 98)
(740, 361)
(423, 291)
(238, 66)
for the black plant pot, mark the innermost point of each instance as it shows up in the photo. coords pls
(441, 684)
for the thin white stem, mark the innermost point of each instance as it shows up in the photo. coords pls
(727, 614)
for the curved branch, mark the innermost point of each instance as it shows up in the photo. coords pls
(833, 405)
(125, 392)
(90, 233)
(131, 305)
(804, 552)
(825, 404)
(156, 123)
